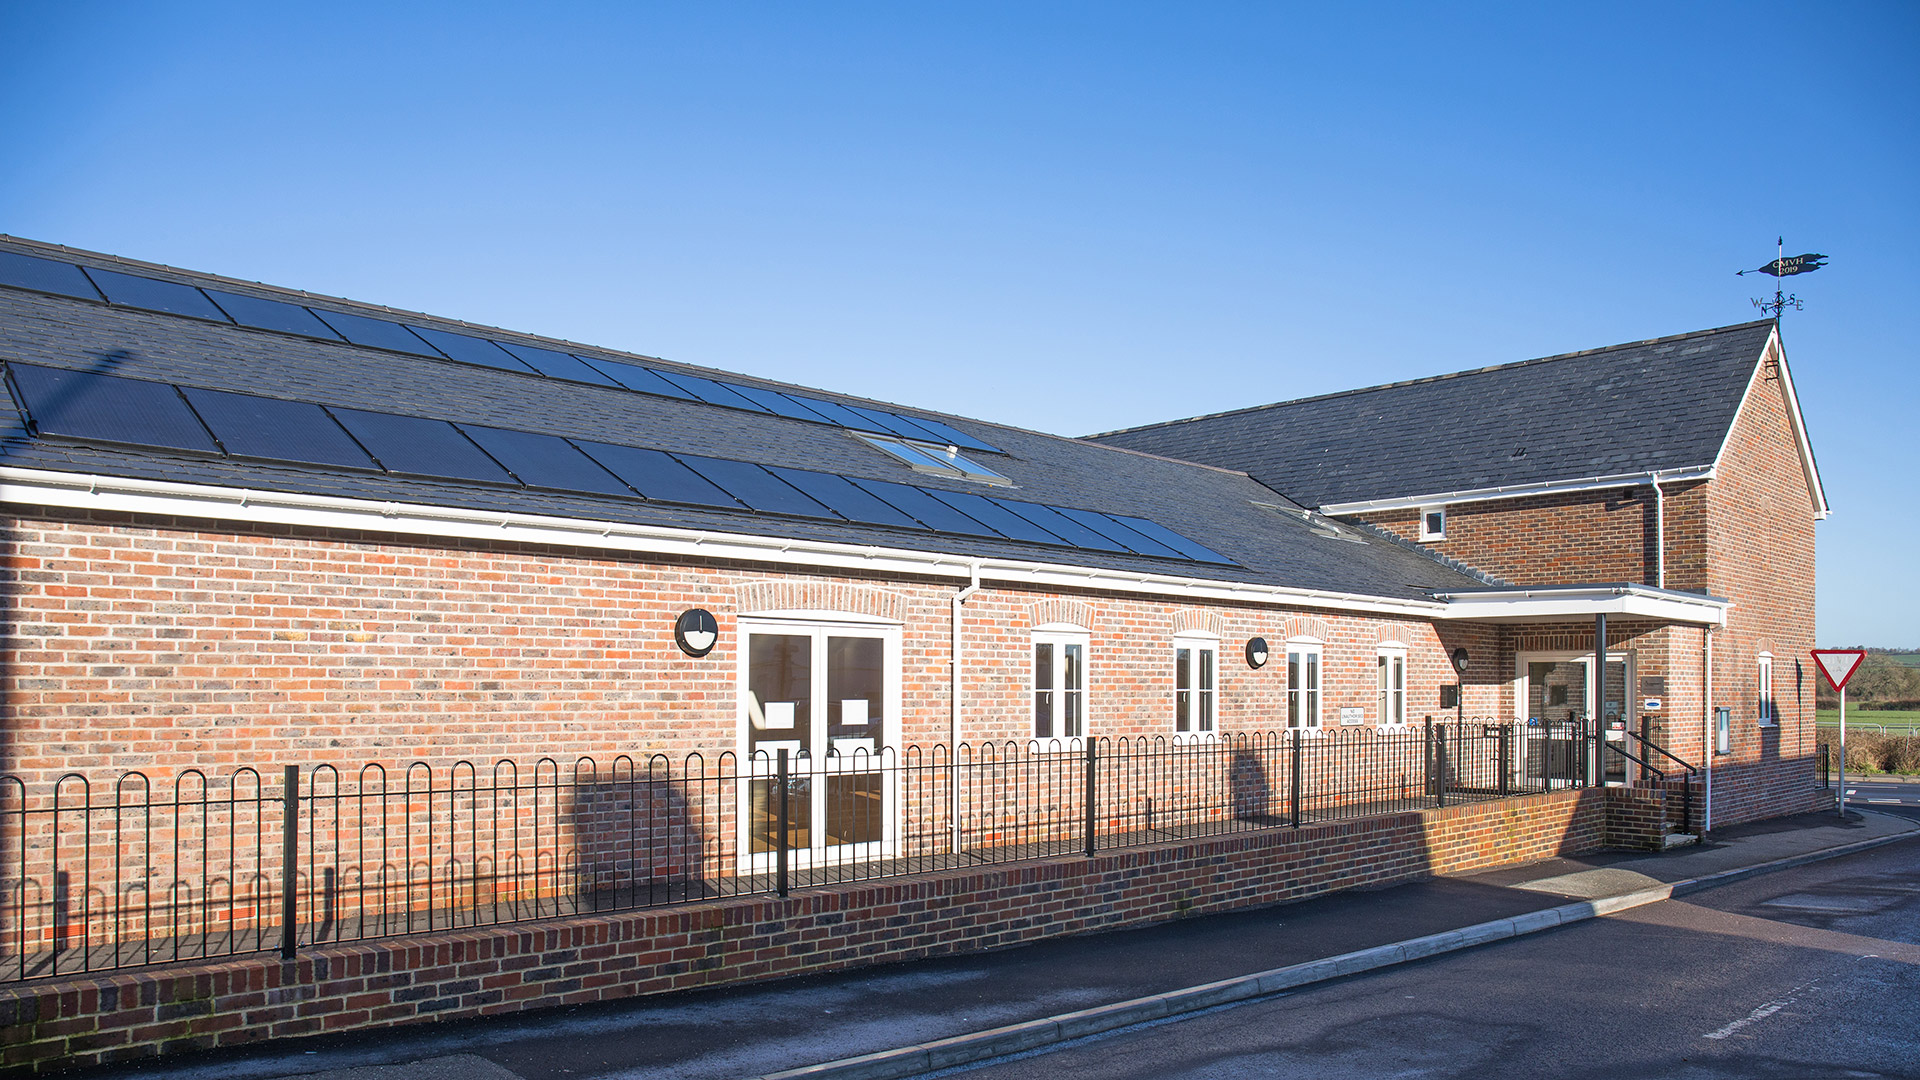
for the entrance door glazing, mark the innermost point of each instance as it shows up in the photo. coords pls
(822, 694)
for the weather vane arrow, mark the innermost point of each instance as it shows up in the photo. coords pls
(1784, 265)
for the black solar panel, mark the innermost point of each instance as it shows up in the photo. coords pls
(838, 414)
(168, 296)
(271, 315)
(926, 509)
(1153, 530)
(376, 333)
(411, 444)
(657, 475)
(839, 495)
(84, 405)
(277, 430)
(558, 365)
(754, 486)
(889, 423)
(1132, 538)
(713, 393)
(777, 403)
(1062, 526)
(545, 461)
(948, 435)
(999, 518)
(45, 275)
(469, 349)
(645, 380)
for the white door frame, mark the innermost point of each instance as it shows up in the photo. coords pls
(819, 625)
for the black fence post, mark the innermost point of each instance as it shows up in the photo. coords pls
(1093, 782)
(780, 836)
(1440, 769)
(1506, 760)
(1426, 758)
(1293, 798)
(289, 860)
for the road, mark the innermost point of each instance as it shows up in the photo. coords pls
(1807, 973)
(1900, 796)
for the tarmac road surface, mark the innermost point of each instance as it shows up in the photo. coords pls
(1808, 973)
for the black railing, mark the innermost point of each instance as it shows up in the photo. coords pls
(96, 877)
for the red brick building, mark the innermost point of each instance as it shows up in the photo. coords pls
(250, 526)
(1674, 466)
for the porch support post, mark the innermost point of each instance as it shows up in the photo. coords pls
(1599, 698)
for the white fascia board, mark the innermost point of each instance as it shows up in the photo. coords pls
(1816, 492)
(1517, 491)
(83, 491)
(1548, 605)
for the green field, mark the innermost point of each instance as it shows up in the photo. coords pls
(1895, 723)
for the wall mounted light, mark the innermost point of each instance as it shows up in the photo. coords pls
(1459, 659)
(1257, 652)
(696, 631)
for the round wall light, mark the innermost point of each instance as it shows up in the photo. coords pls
(1257, 652)
(696, 631)
(1459, 659)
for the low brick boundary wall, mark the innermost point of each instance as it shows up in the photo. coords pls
(124, 1015)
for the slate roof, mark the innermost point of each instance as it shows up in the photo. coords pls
(1218, 508)
(1663, 404)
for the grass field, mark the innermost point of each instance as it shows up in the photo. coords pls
(1894, 723)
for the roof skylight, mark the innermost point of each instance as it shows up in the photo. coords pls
(932, 459)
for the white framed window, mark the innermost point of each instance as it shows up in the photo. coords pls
(1196, 667)
(1433, 523)
(1060, 683)
(825, 688)
(1393, 685)
(1769, 710)
(936, 460)
(1303, 683)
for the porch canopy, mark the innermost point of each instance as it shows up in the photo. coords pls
(1555, 603)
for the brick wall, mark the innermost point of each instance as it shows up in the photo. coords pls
(162, 646)
(1760, 550)
(141, 1014)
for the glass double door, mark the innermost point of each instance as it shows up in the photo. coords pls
(1561, 690)
(826, 696)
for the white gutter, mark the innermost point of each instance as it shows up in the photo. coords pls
(84, 491)
(1515, 491)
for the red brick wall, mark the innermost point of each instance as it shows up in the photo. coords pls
(162, 646)
(118, 1017)
(1760, 551)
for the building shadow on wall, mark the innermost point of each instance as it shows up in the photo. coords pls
(649, 832)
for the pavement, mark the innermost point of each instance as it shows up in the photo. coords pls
(909, 1019)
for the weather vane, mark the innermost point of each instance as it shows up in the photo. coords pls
(1780, 267)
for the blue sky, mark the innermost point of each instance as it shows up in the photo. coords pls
(1072, 217)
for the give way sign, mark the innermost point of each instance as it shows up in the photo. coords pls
(1838, 665)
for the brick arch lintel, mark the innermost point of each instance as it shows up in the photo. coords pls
(1061, 611)
(753, 596)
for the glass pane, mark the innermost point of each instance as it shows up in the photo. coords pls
(1383, 675)
(779, 690)
(1206, 669)
(1182, 710)
(1071, 675)
(1042, 690)
(856, 689)
(763, 810)
(1070, 710)
(1182, 678)
(1206, 710)
(855, 809)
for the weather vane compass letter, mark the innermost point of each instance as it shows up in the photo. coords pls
(1782, 266)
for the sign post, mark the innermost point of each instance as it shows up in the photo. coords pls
(1837, 666)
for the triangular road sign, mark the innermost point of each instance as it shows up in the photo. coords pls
(1838, 665)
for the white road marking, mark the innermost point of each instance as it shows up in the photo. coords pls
(1760, 1013)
